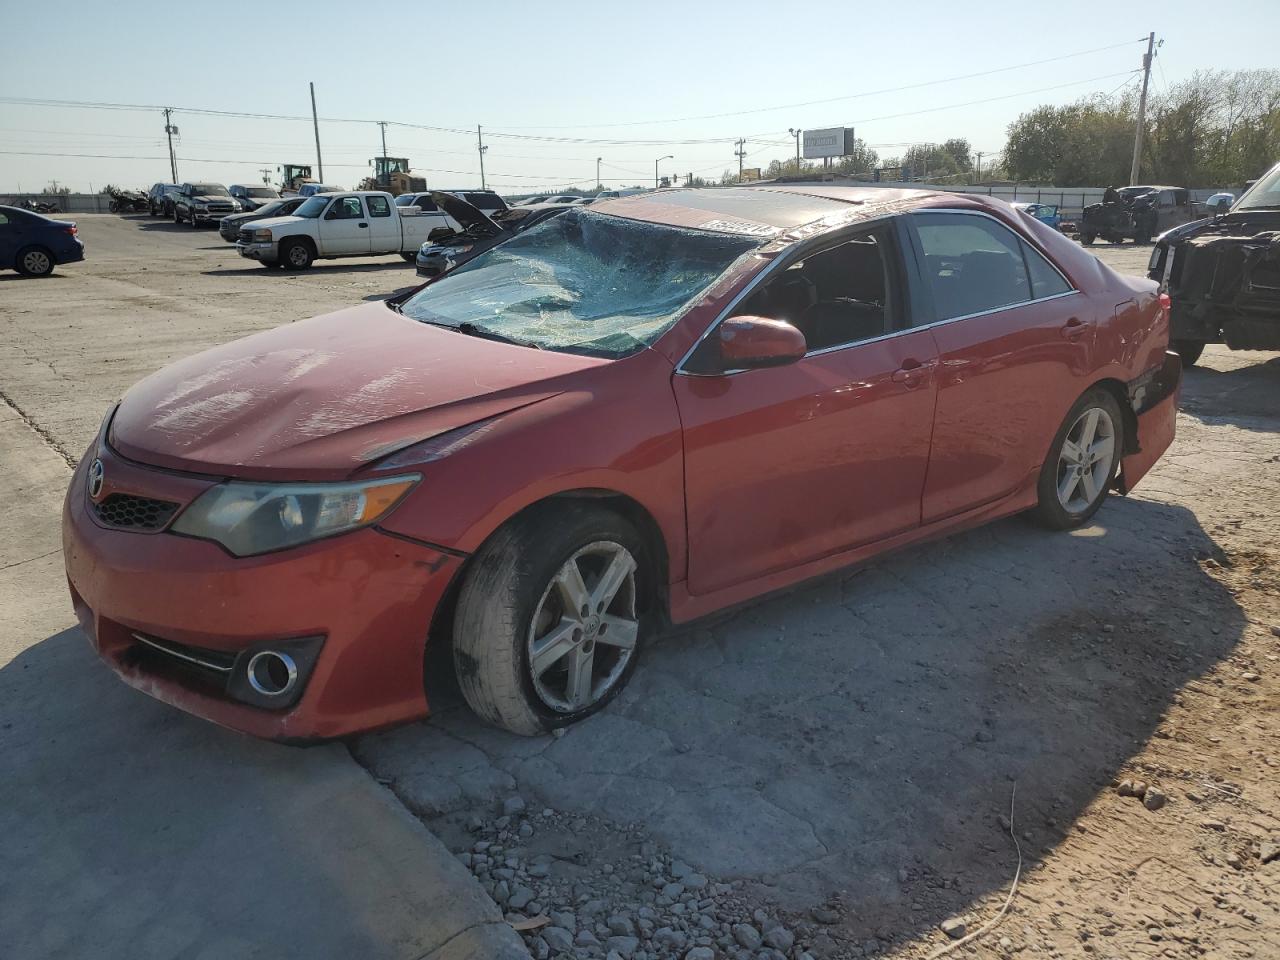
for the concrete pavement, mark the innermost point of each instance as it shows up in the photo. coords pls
(129, 830)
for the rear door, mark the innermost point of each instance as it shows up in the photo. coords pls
(344, 228)
(1015, 343)
(384, 229)
(10, 227)
(788, 464)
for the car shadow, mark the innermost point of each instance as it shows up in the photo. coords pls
(1244, 396)
(56, 275)
(320, 267)
(865, 733)
(119, 813)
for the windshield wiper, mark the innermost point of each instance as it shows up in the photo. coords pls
(475, 330)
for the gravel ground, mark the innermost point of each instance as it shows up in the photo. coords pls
(831, 771)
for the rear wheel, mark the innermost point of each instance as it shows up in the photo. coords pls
(1188, 350)
(1082, 461)
(1087, 238)
(34, 262)
(550, 616)
(409, 257)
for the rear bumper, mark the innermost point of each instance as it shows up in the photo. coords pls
(365, 600)
(1156, 416)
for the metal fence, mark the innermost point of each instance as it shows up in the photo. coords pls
(66, 202)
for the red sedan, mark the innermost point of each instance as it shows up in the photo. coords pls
(631, 415)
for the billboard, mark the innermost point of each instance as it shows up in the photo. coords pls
(831, 142)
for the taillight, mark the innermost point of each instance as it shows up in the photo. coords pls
(1166, 304)
(73, 230)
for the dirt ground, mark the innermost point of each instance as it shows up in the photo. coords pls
(838, 762)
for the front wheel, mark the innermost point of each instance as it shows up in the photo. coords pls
(1081, 463)
(296, 254)
(1188, 351)
(550, 617)
(409, 257)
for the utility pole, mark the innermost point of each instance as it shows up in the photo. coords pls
(170, 130)
(482, 148)
(1142, 108)
(315, 122)
(599, 182)
(978, 178)
(266, 175)
(740, 153)
(384, 175)
(796, 133)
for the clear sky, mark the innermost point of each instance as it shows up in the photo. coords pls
(531, 72)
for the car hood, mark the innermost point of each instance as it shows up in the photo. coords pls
(212, 198)
(319, 399)
(469, 215)
(263, 223)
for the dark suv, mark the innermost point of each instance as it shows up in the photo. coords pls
(252, 197)
(160, 199)
(203, 203)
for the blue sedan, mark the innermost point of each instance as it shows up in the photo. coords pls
(33, 244)
(1046, 213)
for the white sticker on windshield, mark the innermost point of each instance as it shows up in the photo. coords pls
(740, 226)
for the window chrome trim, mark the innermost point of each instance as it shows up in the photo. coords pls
(787, 259)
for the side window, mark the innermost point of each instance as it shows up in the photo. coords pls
(378, 206)
(836, 296)
(484, 201)
(345, 208)
(1046, 281)
(4, 220)
(972, 264)
(426, 204)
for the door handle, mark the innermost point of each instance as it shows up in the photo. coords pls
(362, 226)
(1075, 328)
(911, 373)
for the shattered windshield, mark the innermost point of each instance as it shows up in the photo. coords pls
(1263, 195)
(581, 282)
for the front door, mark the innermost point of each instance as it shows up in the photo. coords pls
(10, 239)
(384, 230)
(1014, 342)
(788, 464)
(344, 228)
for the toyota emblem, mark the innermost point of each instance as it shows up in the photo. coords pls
(95, 479)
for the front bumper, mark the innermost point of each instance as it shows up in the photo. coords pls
(211, 216)
(258, 251)
(366, 598)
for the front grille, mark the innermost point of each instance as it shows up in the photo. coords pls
(219, 208)
(246, 236)
(127, 512)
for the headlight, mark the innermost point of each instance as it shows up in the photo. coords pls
(251, 518)
(263, 236)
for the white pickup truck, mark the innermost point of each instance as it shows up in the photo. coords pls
(330, 225)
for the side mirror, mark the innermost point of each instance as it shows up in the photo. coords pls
(748, 341)
(1220, 203)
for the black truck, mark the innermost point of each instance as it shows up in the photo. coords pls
(1138, 214)
(1222, 274)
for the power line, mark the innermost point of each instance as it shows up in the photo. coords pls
(850, 96)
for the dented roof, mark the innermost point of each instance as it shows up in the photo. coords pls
(764, 211)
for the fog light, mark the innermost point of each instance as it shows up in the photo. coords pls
(272, 674)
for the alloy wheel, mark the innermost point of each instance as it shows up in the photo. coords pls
(584, 628)
(1086, 462)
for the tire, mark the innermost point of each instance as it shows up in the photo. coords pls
(510, 600)
(296, 254)
(272, 264)
(1075, 508)
(195, 224)
(408, 257)
(34, 262)
(177, 217)
(1188, 350)
(1087, 239)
